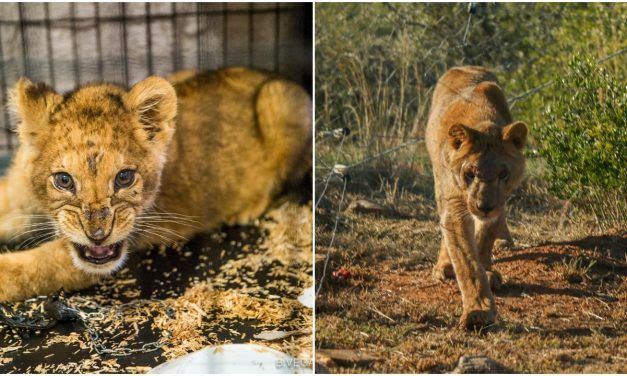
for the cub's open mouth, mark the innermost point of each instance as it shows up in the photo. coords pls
(99, 254)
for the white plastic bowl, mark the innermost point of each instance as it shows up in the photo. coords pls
(307, 297)
(235, 358)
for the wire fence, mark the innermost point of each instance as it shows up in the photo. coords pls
(342, 171)
(512, 101)
(69, 44)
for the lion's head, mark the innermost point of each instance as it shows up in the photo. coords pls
(487, 163)
(97, 154)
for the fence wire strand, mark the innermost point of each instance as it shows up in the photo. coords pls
(330, 174)
(337, 220)
(538, 88)
(385, 152)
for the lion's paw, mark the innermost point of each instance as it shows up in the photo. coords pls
(442, 272)
(477, 319)
(494, 279)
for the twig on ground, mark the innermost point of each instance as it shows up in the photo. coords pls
(382, 314)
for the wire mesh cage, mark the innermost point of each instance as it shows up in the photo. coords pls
(69, 44)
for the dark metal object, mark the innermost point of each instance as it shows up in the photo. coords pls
(57, 309)
(18, 320)
(14, 320)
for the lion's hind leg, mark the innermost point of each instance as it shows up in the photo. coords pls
(503, 239)
(284, 114)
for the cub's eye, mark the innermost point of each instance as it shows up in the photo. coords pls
(63, 181)
(469, 176)
(124, 179)
(504, 174)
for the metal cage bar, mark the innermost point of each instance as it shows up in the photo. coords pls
(253, 35)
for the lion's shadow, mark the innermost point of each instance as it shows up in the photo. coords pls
(606, 254)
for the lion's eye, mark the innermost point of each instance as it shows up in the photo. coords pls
(63, 181)
(503, 174)
(469, 176)
(124, 178)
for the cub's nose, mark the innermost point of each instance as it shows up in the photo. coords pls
(97, 235)
(98, 222)
(485, 207)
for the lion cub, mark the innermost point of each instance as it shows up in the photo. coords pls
(477, 154)
(102, 170)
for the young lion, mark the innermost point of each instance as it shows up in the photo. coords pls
(476, 152)
(101, 169)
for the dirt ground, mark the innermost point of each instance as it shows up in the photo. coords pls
(562, 307)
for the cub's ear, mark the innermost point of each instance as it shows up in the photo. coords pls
(516, 133)
(458, 134)
(33, 104)
(154, 101)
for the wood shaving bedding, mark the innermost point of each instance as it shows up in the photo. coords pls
(254, 290)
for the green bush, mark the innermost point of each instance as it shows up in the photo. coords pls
(584, 142)
(377, 63)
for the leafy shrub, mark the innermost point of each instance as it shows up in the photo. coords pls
(584, 142)
(377, 63)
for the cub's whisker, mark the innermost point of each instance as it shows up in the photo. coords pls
(170, 219)
(39, 225)
(35, 230)
(165, 221)
(37, 239)
(152, 233)
(158, 228)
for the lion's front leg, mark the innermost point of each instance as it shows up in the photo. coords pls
(443, 268)
(40, 271)
(485, 235)
(479, 308)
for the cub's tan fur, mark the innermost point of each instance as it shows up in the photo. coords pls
(214, 148)
(476, 152)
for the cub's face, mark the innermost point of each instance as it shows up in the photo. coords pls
(487, 165)
(97, 155)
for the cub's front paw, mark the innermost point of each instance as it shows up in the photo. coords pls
(494, 279)
(477, 318)
(443, 271)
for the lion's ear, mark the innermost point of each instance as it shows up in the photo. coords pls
(458, 134)
(516, 133)
(154, 102)
(33, 104)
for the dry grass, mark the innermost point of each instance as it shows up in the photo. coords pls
(563, 307)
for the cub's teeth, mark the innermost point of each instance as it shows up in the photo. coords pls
(110, 252)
